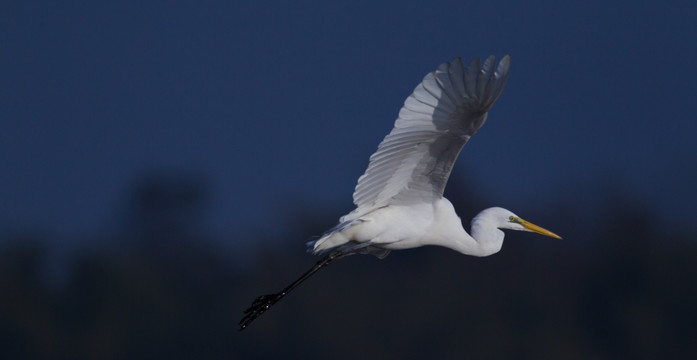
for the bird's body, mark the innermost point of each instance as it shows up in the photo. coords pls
(399, 227)
(399, 199)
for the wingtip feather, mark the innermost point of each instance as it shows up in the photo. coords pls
(485, 81)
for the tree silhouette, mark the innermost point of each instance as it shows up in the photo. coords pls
(627, 292)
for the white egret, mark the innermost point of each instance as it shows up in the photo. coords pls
(399, 200)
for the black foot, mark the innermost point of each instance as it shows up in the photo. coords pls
(259, 306)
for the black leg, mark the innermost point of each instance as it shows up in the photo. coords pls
(264, 302)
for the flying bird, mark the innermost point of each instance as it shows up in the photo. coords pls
(399, 199)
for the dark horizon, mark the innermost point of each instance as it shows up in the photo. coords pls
(161, 286)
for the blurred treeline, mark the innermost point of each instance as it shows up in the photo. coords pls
(618, 286)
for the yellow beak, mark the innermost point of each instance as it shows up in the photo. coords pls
(534, 228)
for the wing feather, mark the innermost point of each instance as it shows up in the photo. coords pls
(413, 162)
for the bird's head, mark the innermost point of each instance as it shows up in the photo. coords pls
(506, 219)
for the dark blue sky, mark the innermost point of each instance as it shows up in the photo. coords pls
(272, 102)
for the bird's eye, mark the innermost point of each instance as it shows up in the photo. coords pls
(513, 219)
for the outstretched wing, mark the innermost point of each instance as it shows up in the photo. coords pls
(413, 162)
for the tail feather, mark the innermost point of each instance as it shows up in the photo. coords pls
(331, 238)
(334, 240)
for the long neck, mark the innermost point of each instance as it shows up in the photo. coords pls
(485, 239)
